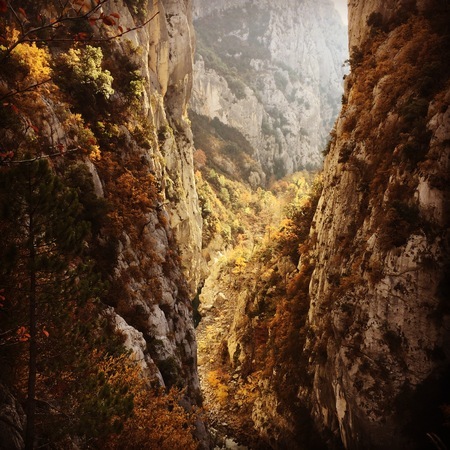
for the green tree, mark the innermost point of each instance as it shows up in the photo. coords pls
(81, 69)
(40, 265)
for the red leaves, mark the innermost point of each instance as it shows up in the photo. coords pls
(34, 128)
(3, 6)
(107, 20)
(22, 11)
(13, 107)
(81, 36)
(23, 334)
(3, 156)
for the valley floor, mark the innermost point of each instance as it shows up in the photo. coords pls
(222, 397)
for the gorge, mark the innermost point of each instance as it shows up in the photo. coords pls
(274, 72)
(326, 298)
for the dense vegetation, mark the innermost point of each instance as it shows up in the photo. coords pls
(63, 110)
(383, 145)
(260, 235)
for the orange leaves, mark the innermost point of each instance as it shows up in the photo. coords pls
(22, 334)
(218, 380)
(137, 191)
(22, 12)
(108, 20)
(157, 420)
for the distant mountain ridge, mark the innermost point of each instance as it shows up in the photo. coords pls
(274, 72)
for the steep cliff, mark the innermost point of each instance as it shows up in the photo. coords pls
(274, 72)
(114, 111)
(156, 302)
(340, 334)
(378, 321)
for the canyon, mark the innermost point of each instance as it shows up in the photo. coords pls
(362, 358)
(332, 328)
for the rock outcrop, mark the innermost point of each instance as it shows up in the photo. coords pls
(274, 72)
(156, 304)
(379, 291)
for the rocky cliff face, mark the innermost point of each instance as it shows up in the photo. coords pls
(378, 321)
(357, 337)
(155, 311)
(274, 72)
(142, 165)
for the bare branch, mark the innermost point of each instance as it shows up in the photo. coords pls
(51, 155)
(27, 36)
(103, 39)
(52, 25)
(16, 16)
(20, 91)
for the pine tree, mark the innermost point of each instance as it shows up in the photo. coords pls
(42, 238)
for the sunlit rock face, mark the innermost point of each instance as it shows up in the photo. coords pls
(379, 319)
(272, 70)
(159, 269)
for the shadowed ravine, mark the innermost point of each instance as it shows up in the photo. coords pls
(155, 151)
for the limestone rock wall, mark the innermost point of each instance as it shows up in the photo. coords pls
(167, 46)
(378, 324)
(368, 358)
(155, 313)
(276, 75)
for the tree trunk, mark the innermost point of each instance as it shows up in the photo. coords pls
(32, 358)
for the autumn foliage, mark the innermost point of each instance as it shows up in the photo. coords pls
(60, 237)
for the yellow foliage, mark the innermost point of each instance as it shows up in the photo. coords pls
(95, 153)
(267, 275)
(218, 380)
(82, 135)
(239, 265)
(35, 60)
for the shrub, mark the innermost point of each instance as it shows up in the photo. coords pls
(80, 71)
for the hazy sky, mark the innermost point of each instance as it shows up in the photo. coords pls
(341, 6)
